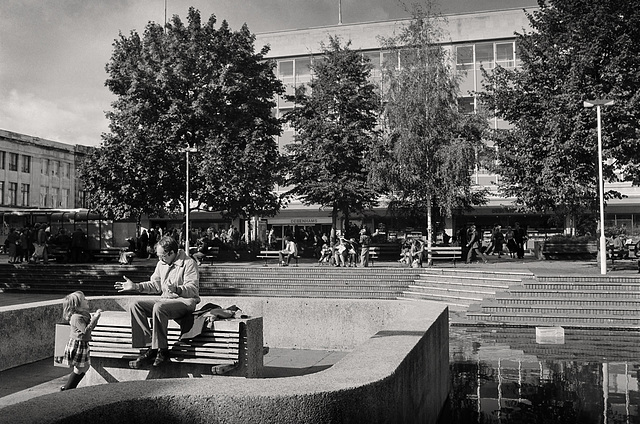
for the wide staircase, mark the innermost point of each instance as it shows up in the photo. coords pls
(462, 288)
(520, 298)
(577, 301)
(475, 297)
(217, 280)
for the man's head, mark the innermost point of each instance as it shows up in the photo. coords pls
(167, 249)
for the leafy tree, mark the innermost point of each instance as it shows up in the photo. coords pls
(576, 50)
(335, 124)
(427, 155)
(188, 85)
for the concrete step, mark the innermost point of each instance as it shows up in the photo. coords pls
(457, 298)
(517, 275)
(474, 294)
(508, 299)
(311, 292)
(476, 279)
(547, 308)
(573, 320)
(471, 285)
(453, 303)
(518, 292)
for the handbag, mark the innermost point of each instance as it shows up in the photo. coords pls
(39, 250)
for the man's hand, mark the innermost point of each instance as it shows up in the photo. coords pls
(126, 285)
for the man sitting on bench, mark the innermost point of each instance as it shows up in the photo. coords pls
(290, 250)
(176, 279)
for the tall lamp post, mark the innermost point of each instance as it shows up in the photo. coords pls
(603, 253)
(187, 150)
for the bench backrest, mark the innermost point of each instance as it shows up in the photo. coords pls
(221, 345)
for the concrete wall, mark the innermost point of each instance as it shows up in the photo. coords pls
(397, 371)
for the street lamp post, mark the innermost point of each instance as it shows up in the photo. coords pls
(603, 253)
(187, 150)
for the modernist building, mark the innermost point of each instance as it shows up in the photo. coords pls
(475, 40)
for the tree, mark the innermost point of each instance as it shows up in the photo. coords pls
(427, 155)
(335, 125)
(576, 50)
(181, 86)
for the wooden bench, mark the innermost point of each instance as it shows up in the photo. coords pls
(451, 253)
(223, 346)
(107, 254)
(274, 254)
(212, 254)
(374, 254)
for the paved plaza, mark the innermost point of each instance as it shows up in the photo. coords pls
(32, 380)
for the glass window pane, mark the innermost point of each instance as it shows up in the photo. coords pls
(285, 71)
(466, 104)
(484, 54)
(504, 55)
(464, 57)
(303, 70)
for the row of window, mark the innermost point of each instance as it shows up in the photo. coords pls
(469, 61)
(55, 168)
(56, 198)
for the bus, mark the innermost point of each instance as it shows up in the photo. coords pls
(102, 234)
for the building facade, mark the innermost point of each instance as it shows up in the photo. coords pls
(36, 173)
(475, 40)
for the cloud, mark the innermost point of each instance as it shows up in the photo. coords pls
(61, 121)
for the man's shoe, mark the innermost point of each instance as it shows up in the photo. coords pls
(143, 359)
(163, 356)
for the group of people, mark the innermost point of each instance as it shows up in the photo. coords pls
(33, 244)
(327, 249)
(412, 253)
(511, 242)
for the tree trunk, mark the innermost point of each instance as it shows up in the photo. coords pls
(429, 230)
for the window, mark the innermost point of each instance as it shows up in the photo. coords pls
(64, 201)
(13, 161)
(55, 168)
(3, 158)
(84, 199)
(285, 71)
(44, 195)
(54, 197)
(24, 192)
(464, 58)
(303, 70)
(1, 192)
(466, 104)
(504, 55)
(26, 164)
(484, 55)
(66, 170)
(44, 167)
(12, 198)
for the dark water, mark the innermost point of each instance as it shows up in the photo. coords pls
(503, 375)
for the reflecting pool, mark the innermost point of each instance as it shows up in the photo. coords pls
(513, 375)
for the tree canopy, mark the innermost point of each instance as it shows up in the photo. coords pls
(335, 122)
(188, 85)
(427, 154)
(576, 50)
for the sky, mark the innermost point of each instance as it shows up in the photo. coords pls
(53, 52)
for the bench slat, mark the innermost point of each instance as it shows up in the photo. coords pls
(220, 345)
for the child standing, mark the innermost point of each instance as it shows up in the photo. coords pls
(76, 352)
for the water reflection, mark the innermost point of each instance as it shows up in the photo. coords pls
(501, 375)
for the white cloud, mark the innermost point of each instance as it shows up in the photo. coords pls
(71, 123)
